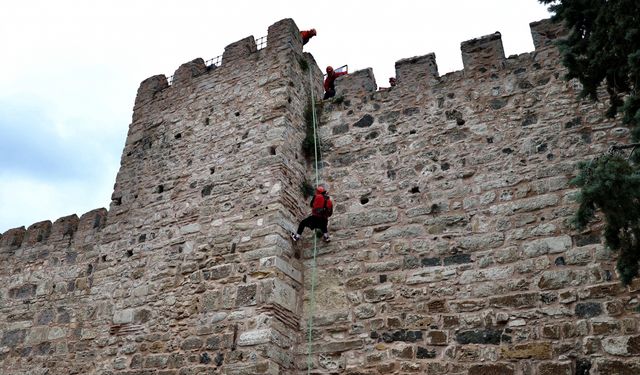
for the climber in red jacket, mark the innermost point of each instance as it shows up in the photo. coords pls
(306, 35)
(329, 87)
(321, 210)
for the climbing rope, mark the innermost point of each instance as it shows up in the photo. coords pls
(312, 303)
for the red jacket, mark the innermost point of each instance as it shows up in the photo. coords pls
(328, 82)
(321, 206)
(306, 35)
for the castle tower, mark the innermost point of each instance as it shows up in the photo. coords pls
(452, 248)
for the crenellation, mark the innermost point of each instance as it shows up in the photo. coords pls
(284, 36)
(451, 248)
(482, 54)
(545, 33)
(239, 50)
(187, 71)
(64, 228)
(148, 88)
(12, 238)
(356, 83)
(37, 233)
(418, 71)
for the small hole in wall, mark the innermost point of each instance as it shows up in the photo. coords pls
(104, 258)
(414, 190)
(129, 253)
(412, 131)
(160, 189)
(178, 136)
(89, 269)
(117, 201)
(364, 200)
(212, 170)
(272, 150)
(237, 114)
(289, 99)
(206, 121)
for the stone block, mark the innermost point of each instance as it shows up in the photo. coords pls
(492, 369)
(123, 316)
(276, 291)
(617, 367)
(533, 350)
(281, 265)
(555, 368)
(337, 346)
(488, 336)
(517, 301)
(551, 245)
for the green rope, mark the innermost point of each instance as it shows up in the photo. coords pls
(312, 306)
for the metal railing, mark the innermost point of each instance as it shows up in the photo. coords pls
(217, 61)
(343, 68)
(261, 42)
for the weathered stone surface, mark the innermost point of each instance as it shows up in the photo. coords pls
(492, 369)
(551, 368)
(451, 247)
(534, 350)
(482, 336)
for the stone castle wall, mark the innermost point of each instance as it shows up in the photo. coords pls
(451, 249)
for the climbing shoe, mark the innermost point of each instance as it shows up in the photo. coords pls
(295, 236)
(326, 238)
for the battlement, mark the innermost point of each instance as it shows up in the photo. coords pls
(450, 252)
(66, 228)
(481, 57)
(282, 36)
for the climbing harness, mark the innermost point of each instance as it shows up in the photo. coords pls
(312, 302)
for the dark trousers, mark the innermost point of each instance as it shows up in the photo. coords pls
(314, 222)
(329, 94)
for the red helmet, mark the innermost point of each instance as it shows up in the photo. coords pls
(320, 190)
(329, 69)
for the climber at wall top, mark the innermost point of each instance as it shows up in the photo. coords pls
(329, 86)
(306, 35)
(321, 210)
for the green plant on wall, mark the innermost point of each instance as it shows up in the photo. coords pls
(603, 48)
(611, 184)
(306, 188)
(310, 141)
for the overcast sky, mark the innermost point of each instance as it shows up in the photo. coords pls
(69, 71)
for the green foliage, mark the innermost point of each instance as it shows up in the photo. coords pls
(611, 184)
(304, 65)
(310, 140)
(604, 45)
(306, 188)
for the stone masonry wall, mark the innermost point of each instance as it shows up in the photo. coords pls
(191, 271)
(451, 249)
(452, 252)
